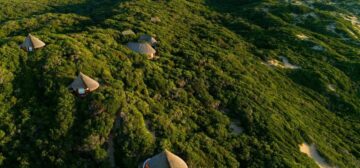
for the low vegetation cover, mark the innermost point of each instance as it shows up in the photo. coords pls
(210, 72)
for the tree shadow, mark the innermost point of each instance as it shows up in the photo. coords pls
(36, 114)
(230, 6)
(336, 103)
(94, 9)
(97, 11)
(235, 9)
(33, 100)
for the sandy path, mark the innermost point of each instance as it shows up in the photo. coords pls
(311, 151)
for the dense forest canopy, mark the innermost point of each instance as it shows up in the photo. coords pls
(236, 83)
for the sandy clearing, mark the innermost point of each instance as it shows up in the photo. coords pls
(308, 3)
(287, 63)
(331, 87)
(284, 64)
(302, 37)
(274, 62)
(297, 3)
(310, 150)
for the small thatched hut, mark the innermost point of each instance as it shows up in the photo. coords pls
(165, 159)
(31, 43)
(142, 48)
(83, 85)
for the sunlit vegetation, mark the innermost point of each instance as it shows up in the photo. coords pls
(210, 72)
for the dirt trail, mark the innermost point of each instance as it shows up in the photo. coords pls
(311, 151)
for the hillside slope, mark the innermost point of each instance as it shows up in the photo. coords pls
(219, 69)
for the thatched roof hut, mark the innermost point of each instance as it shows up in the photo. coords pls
(31, 42)
(142, 48)
(149, 39)
(165, 159)
(84, 84)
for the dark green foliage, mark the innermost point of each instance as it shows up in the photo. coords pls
(209, 75)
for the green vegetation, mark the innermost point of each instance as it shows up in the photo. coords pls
(210, 73)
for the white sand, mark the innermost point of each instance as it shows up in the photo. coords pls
(297, 3)
(331, 87)
(287, 64)
(274, 62)
(284, 64)
(311, 151)
(302, 37)
(308, 3)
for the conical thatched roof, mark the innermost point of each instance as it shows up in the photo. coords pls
(85, 82)
(143, 48)
(166, 159)
(147, 38)
(32, 42)
(128, 32)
